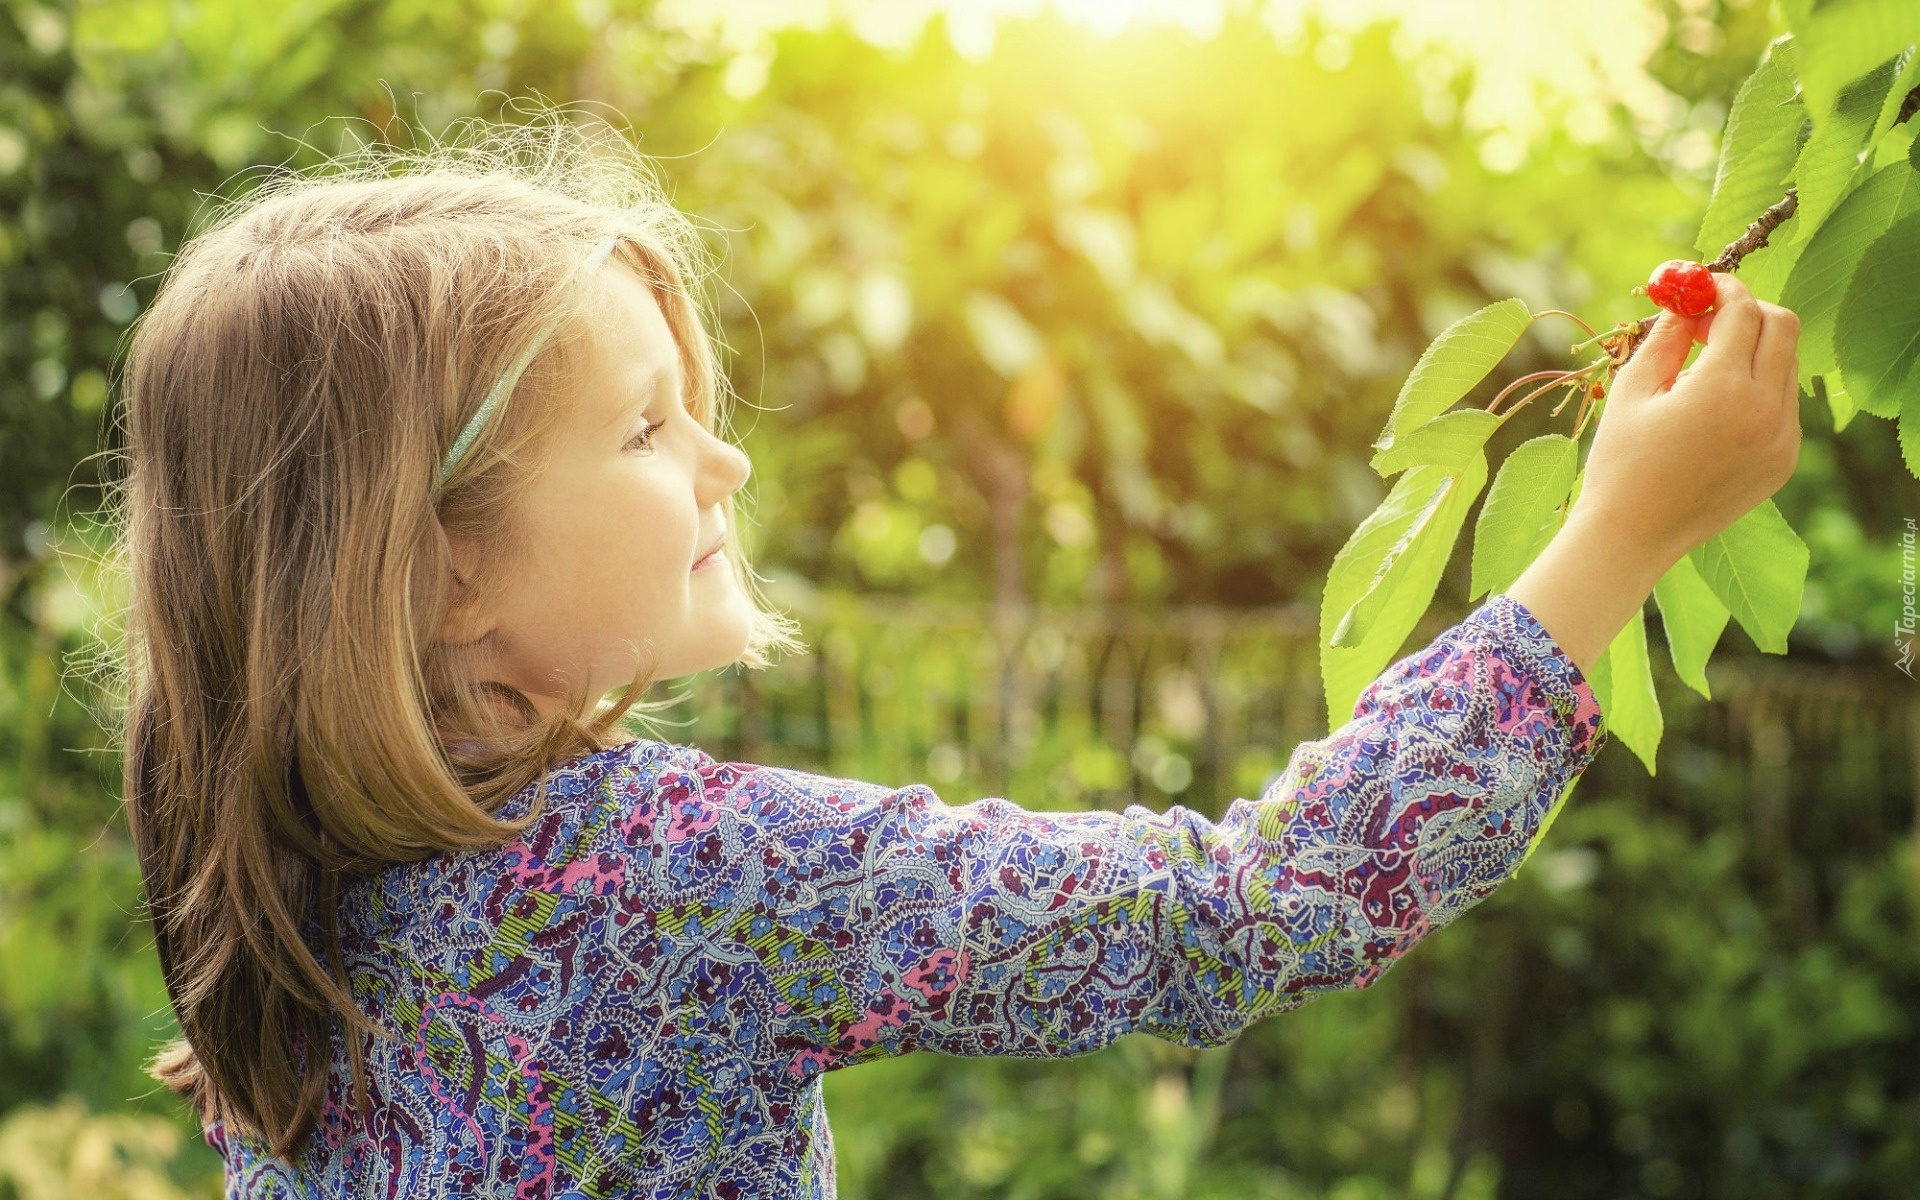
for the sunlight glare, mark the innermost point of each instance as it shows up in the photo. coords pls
(1536, 65)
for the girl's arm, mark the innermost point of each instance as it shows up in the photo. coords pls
(813, 922)
(875, 920)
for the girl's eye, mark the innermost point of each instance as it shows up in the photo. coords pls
(644, 439)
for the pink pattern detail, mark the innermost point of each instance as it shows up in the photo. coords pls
(807, 1061)
(866, 1031)
(938, 973)
(603, 872)
(689, 819)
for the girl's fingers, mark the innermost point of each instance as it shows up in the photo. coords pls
(1779, 339)
(1654, 364)
(1736, 328)
(1791, 417)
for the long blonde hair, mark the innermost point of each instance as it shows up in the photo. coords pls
(312, 352)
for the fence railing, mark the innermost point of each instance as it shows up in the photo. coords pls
(1063, 708)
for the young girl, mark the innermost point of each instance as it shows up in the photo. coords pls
(423, 464)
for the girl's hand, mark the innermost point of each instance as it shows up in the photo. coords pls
(1679, 457)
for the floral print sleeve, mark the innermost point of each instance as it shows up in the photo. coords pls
(640, 995)
(882, 920)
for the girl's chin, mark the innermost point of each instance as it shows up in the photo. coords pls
(723, 633)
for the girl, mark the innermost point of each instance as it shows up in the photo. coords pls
(422, 464)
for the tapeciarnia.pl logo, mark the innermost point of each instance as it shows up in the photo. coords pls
(1903, 628)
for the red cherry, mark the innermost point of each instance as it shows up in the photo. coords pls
(1683, 288)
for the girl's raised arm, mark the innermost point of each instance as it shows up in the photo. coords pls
(873, 921)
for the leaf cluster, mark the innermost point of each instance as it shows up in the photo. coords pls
(1824, 119)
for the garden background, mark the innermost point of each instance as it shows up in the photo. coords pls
(1062, 334)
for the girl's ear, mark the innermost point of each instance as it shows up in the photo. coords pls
(465, 620)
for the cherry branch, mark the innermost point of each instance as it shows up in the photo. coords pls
(1755, 236)
(1729, 259)
(1757, 233)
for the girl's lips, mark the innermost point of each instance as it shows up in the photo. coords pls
(711, 557)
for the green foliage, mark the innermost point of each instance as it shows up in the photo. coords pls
(1856, 67)
(1458, 359)
(1449, 440)
(1451, 495)
(1693, 618)
(1622, 682)
(1844, 40)
(60, 1150)
(1385, 576)
(1822, 276)
(1523, 511)
(1762, 141)
(1830, 161)
(1848, 254)
(1756, 567)
(1875, 329)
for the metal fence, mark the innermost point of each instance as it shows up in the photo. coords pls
(1062, 708)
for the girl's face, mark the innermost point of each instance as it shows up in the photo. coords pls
(619, 564)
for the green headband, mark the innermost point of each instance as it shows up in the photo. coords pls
(503, 386)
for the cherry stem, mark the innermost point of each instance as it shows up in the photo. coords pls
(1543, 389)
(1561, 312)
(1505, 391)
(1587, 405)
(1555, 379)
(1571, 392)
(1757, 233)
(1616, 331)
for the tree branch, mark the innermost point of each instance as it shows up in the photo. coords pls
(1755, 236)
(1730, 258)
(1757, 233)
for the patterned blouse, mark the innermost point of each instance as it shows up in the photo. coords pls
(639, 998)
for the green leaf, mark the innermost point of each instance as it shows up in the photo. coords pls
(1632, 710)
(1831, 162)
(1762, 140)
(1757, 566)
(1841, 40)
(1458, 359)
(1346, 671)
(1876, 334)
(1694, 619)
(1600, 679)
(1838, 400)
(1522, 512)
(1910, 430)
(1906, 77)
(1392, 571)
(1820, 277)
(1448, 440)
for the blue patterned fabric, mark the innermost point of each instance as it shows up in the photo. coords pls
(640, 997)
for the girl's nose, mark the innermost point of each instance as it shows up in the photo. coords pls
(724, 470)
